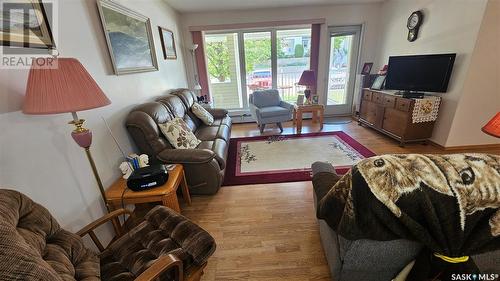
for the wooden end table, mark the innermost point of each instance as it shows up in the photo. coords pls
(118, 194)
(317, 110)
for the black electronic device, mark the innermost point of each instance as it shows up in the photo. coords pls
(425, 73)
(147, 177)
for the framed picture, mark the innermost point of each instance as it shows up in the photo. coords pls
(129, 38)
(300, 99)
(367, 68)
(315, 99)
(378, 84)
(25, 24)
(167, 43)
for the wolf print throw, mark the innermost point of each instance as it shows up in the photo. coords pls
(448, 203)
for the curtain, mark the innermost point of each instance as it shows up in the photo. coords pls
(314, 59)
(200, 63)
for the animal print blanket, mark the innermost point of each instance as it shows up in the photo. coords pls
(449, 203)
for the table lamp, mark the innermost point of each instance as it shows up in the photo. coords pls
(308, 79)
(492, 128)
(66, 88)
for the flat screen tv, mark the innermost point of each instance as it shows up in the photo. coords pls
(425, 73)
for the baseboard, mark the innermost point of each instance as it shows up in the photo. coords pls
(465, 147)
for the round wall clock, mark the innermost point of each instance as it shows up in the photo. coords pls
(413, 24)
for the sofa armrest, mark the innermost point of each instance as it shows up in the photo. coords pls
(324, 178)
(162, 264)
(322, 167)
(186, 156)
(218, 112)
(287, 105)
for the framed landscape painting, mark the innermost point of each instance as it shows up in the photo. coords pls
(129, 38)
(24, 23)
(167, 43)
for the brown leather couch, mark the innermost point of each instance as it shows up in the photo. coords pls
(205, 165)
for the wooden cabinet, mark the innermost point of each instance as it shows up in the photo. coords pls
(392, 115)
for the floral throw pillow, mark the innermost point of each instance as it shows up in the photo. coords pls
(203, 114)
(178, 134)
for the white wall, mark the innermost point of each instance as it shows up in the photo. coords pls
(450, 26)
(38, 155)
(335, 15)
(481, 93)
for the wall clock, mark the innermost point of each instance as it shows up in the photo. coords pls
(414, 23)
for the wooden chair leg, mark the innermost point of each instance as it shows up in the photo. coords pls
(262, 126)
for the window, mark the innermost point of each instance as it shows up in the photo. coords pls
(293, 51)
(224, 70)
(242, 62)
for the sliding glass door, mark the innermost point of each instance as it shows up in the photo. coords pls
(242, 62)
(342, 66)
(293, 52)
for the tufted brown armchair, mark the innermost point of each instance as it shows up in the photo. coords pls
(164, 246)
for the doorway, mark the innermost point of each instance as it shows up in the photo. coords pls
(344, 43)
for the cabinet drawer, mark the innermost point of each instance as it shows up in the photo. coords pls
(389, 101)
(403, 104)
(367, 95)
(378, 98)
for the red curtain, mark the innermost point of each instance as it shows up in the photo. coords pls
(200, 63)
(314, 59)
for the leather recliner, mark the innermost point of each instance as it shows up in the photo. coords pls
(205, 165)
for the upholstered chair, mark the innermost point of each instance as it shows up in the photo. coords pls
(267, 107)
(164, 246)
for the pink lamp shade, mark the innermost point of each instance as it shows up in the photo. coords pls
(493, 127)
(65, 88)
(308, 78)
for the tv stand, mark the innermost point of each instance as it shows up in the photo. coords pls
(391, 114)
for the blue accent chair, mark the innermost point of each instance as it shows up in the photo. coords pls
(267, 107)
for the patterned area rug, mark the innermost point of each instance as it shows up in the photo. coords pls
(285, 158)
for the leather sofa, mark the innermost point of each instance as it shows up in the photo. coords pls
(365, 259)
(205, 165)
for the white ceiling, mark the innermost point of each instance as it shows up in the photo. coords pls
(186, 6)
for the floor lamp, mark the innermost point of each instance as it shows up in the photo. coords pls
(197, 86)
(66, 87)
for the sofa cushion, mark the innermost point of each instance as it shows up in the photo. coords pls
(219, 147)
(142, 124)
(34, 247)
(187, 97)
(179, 109)
(163, 232)
(179, 134)
(202, 114)
(272, 111)
(206, 133)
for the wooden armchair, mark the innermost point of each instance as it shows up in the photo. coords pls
(165, 267)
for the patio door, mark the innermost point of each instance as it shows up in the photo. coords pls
(342, 66)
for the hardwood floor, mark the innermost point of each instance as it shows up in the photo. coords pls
(269, 231)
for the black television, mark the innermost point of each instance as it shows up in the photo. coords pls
(420, 73)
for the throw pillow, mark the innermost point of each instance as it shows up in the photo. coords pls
(203, 114)
(178, 134)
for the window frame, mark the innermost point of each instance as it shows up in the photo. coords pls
(241, 58)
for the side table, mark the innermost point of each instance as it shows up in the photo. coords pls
(317, 110)
(118, 194)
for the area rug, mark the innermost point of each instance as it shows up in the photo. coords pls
(285, 158)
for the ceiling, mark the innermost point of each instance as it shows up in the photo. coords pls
(186, 6)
